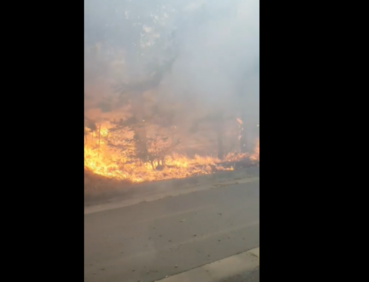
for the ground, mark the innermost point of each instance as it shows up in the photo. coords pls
(151, 240)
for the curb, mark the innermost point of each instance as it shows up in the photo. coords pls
(241, 267)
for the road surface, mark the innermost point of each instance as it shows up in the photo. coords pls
(152, 240)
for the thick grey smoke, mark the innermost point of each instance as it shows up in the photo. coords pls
(217, 42)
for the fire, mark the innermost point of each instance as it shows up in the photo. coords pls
(111, 154)
(255, 155)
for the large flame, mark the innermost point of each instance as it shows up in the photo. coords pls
(111, 154)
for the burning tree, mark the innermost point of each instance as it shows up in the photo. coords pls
(141, 132)
(217, 120)
(133, 92)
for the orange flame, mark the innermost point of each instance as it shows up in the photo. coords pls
(117, 163)
(255, 155)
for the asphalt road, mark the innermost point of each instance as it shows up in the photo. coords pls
(149, 241)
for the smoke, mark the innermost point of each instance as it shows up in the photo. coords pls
(220, 55)
(217, 41)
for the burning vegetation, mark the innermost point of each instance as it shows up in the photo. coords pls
(117, 150)
(139, 130)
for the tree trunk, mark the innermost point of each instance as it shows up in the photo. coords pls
(243, 139)
(140, 127)
(141, 141)
(220, 141)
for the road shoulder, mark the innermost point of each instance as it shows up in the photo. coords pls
(241, 267)
(153, 195)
